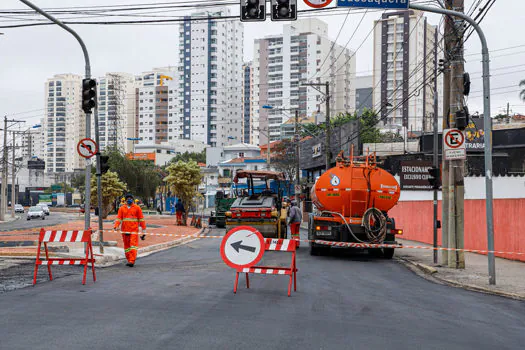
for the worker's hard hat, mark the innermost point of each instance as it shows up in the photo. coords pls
(129, 195)
(136, 200)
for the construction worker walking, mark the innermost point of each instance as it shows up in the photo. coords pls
(180, 210)
(130, 220)
(295, 217)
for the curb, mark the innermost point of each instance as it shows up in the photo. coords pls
(432, 274)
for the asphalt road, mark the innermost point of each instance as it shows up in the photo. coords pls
(52, 219)
(182, 299)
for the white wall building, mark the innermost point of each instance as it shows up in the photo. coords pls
(64, 124)
(33, 143)
(282, 62)
(405, 45)
(210, 99)
(162, 153)
(116, 110)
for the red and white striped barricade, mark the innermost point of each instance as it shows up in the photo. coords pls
(278, 245)
(65, 237)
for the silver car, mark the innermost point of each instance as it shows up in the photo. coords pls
(45, 208)
(19, 208)
(35, 213)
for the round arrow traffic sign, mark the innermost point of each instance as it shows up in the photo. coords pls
(317, 4)
(242, 247)
(87, 148)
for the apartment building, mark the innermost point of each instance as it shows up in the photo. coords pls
(302, 53)
(64, 124)
(33, 143)
(152, 96)
(116, 110)
(210, 87)
(405, 55)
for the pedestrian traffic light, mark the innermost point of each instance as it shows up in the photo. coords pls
(104, 166)
(89, 94)
(253, 10)
(284, 10)
(434, 178)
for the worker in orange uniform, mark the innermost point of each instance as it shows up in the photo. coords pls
(295, 217)
(130, 220)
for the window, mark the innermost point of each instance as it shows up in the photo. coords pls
(241, 154)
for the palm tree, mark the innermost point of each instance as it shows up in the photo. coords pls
(522, 92)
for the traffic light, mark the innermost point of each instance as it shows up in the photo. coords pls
(104, 166)
(284, 10)
(434, 178)
(253, 10)
(89, 94)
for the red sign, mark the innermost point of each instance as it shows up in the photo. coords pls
(87, 148)
(242, 247)
(454, 138)
(317, 4)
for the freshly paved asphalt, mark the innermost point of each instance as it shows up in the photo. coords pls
(182, 299)
(52, 219)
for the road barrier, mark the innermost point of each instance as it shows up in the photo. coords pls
(277, 245)
(65, 237)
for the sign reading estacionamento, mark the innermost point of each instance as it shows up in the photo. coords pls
(414, 175)
(379, 4)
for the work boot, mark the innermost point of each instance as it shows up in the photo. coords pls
(130, 264)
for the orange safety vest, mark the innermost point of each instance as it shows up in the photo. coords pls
(130, 218)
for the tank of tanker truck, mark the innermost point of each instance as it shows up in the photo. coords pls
(352, 201)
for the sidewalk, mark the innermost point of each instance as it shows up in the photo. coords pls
(156, 224)
(510, 275)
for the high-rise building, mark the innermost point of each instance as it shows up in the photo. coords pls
(364, 93)
(303, 53)
(405, 45)
(64, 124)
(247, 106)
(153, 91)
(33, 143)
(116, 110)
(210, 90)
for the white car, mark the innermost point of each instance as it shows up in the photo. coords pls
(35, 213)
(45, 208)
(19, 208)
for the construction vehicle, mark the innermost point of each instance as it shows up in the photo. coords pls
(352, 201)
(223, 203)
(259, 204)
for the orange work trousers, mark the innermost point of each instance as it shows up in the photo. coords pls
(179, 217)
(294, 230)
(131, 246)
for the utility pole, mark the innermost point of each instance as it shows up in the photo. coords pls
(328, 152)
(435, 146)
(456, 174)
(13, 179)
(3, 197)
(297, 166)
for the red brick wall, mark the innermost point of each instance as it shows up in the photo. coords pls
(415, 218)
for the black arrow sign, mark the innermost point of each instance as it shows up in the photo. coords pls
(238, 245)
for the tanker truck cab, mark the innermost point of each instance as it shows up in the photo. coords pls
(258, 204)
(352, 201)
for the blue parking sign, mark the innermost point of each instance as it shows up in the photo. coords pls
(379, 4)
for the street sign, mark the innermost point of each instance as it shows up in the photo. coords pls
(454, 146)
(242, 247)
(317, 4)
(414, 175)
(379, 4)
(87, 148)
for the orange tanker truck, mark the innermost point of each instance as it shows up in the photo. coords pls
(352, 201)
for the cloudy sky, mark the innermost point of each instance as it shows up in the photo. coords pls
(28, 56)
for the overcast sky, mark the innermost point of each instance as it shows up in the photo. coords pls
(28, 56)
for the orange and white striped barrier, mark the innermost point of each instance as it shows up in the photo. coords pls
(65, 237)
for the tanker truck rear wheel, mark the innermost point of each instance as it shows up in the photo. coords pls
(388, 253)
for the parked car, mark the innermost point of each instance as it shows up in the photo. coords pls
(45, 208)
(36, 213)
(19, 208)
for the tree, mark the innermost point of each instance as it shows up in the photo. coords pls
(183, 179)
(522, 92)
(187, 156)
(78, 182)
(284, 158)
(112, 188)
(142, 177)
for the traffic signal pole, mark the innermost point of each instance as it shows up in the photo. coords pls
(99, 186)
(87, 202)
